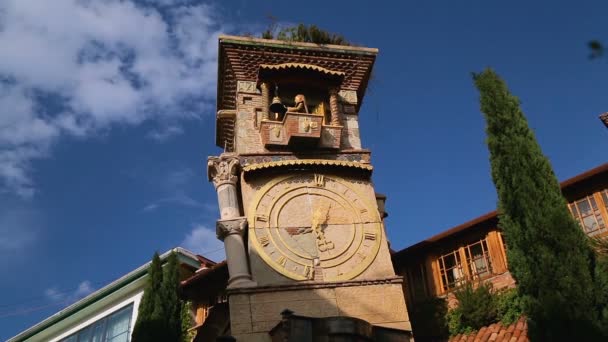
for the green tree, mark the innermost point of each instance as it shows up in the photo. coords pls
(549, 256)
(159, 318)
(187, 322)
(171, 301)
(149, 324)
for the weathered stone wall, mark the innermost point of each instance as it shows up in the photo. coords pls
(248, 117)
(255, 312)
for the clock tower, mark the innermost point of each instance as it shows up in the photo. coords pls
(301, 223)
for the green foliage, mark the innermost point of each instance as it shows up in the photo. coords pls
(481, 306)
(172, 303)
(476, 308)
(150, 313)
(187, 322)
(548, 254)
(476, 305)
(159, 318)
(509, 307)
(429, 319)
(304, 33)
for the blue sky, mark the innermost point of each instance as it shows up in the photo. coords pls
(107, 109)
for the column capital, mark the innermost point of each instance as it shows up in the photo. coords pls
(223, 169)
(226, 227)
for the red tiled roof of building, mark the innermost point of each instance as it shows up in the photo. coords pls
(497, 332)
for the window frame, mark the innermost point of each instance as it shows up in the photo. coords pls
(104, 322)
(598, 206)
(464, 258)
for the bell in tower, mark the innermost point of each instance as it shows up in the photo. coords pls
(302, 229)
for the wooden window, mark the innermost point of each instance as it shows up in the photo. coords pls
(589, 215)
(478, 259)
(451, 270)
(605, 198)
(469, 262)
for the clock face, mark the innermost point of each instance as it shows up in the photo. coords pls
(314, 226)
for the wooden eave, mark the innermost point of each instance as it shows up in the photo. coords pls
(205, 283)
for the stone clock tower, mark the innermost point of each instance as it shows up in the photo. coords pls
(300, 220)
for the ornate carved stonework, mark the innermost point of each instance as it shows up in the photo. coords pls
(348, 96)
(223, 169)
(333, 106)
(227, 227)
(247, 87)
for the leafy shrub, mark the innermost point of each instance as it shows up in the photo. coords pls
(481, 306)
(509, 306)
(304, 33)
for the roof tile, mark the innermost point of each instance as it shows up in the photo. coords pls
(497, 332)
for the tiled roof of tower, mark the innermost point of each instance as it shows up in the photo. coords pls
(240, 59)
(497, 332)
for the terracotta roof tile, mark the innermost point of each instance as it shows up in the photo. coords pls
(497, 332)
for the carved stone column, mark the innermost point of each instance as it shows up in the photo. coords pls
(231, 231)
(333, 107)
(265, 100)
(223, 171)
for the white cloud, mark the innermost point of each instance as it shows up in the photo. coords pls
(101, 63)
(67, 297)
(165, 133)
(175, 186)
(202, 240)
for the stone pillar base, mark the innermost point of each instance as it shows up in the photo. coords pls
(255, 311)
(241, 280)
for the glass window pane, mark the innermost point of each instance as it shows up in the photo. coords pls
(97, 331)
(573, 210)
(584, 207)
(449, 261)
(476, 250)
(71, 338)
(85, 334)
(590, 223)
(118, 326)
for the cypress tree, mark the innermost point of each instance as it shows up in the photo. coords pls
(160, 309)
(548, 253)
(172, 303)
(149, 325)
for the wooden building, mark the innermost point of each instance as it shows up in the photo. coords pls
(475, 250)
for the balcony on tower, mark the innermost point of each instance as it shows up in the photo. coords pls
(276, 96)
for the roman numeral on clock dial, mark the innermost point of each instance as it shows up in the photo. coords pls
(370, 236)
(261, 217)
(282, 261)
(264, 241)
